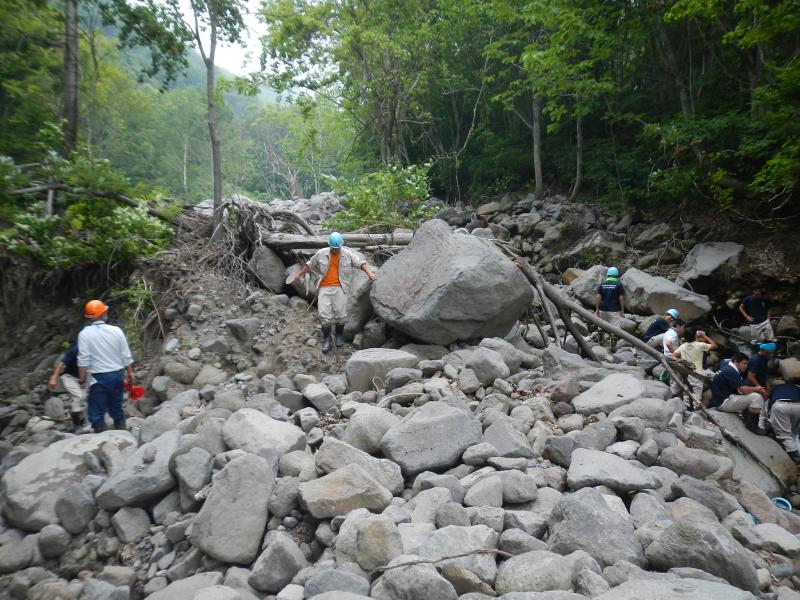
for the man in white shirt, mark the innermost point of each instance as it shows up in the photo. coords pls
(103, 356)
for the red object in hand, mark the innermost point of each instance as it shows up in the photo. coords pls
(136, 391)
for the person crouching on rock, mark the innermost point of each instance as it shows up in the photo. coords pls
(103, 357)
(335, 266)
(784, 415)
(654, 336)
(730, 392)
(609, 301)
(66, 373)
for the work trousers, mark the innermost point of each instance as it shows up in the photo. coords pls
(611, 317)
(656, 341)
(761, 332)
(782, 417)
(77, 395)
(105, 396)
(331, 305)
(695, 384)
(736, 403)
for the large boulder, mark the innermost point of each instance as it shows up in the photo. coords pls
(589, 468)
(144, 477)
(587, 520)
(359, 308)
(646, 294)
(366, 366)
(335, 454)
(703, 544)
(268, 268)
(454, 539)
(434, 436)
(445, 287)
(253, 431)
(612, 392)
(31, 489)
(675, 589)
(708, 266)
(585, 285)
(231, 523)
(346, 489)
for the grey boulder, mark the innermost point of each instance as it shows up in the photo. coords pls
(586, 520)
(710, 265)
(335, 454)
(343, 490)
(468, 288)
(32, 488)
(589, 468)
(646, 295)
(231, 522)
(253, 431)
(613, 391)
(366, 368)
(144, 477)
(433, 436)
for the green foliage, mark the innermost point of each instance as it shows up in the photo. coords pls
(380, 201)
(137, 302)
(84, 227)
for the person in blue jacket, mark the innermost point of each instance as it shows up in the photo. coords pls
(609, 301)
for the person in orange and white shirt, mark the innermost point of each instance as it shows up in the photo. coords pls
(335, 266)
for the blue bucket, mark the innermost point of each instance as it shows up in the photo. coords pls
(782, 503)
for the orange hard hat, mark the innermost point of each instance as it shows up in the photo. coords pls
(94, 308)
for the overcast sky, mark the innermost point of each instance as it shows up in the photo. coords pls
(238, 59)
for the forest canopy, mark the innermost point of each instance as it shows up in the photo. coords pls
(678, 104)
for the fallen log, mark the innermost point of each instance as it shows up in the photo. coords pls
(289, 241)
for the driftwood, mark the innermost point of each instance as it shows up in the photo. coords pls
(287, 241)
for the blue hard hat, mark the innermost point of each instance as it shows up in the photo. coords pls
(613, 272)
(768, 346)
(673, 313)
(335, 240)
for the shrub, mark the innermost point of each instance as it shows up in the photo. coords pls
(391, 197)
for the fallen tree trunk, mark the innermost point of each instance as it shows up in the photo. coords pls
(288, 241)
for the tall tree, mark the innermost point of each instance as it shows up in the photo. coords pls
(222, 21)
(70, 75)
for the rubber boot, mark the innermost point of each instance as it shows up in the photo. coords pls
(326, 338)
(120, 425)
(340, 334)
(77, 419)
(751, 422)
(99, 427)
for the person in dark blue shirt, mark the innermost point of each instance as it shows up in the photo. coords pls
(784, 414)
(757, 314)
(654, 335)
(731, 393)
(757, 368)
(609, 303)
(66, 373)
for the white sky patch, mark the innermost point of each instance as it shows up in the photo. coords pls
(238, 59)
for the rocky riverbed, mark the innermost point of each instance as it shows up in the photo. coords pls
(439, 457)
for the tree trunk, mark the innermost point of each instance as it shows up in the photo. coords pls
(578, 157)
(536, 132)
(673, 68)
(185, 166)
(216, 156)
(290, 241)
(70, 75)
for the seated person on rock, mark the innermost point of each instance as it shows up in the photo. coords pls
(695, 345)
(783, 409)
(731, 393)
(756, 312)
(672, 338)
(654, 336)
